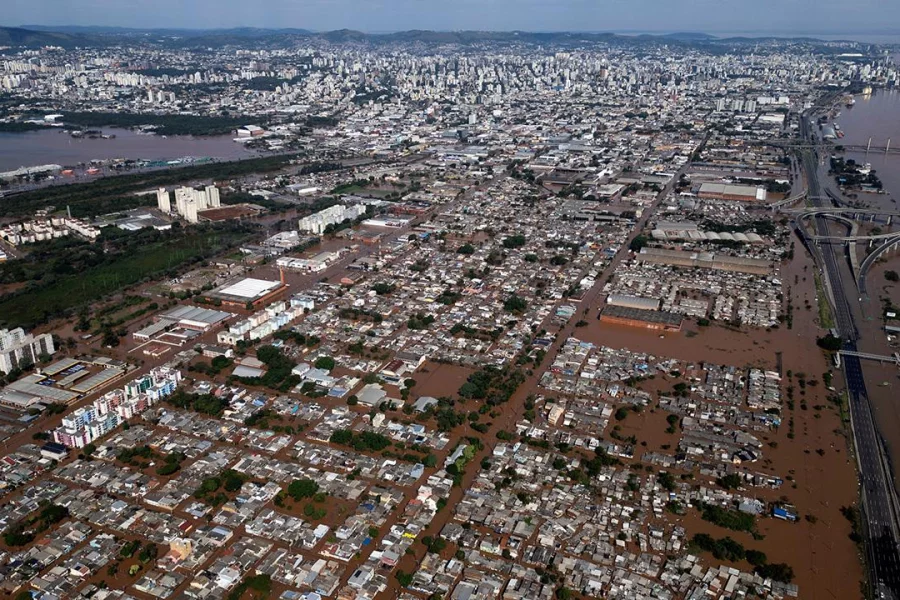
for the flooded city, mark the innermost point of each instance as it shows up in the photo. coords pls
(449, 314)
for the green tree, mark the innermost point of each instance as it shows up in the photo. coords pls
(515, 304)
(302, 488)
(829, 342)
(638, 242)
(325, 362)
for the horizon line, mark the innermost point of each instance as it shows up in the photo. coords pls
(627, 31)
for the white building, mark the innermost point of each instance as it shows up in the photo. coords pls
(212, 194)
(316, 223)
(162, 200)
(189, 201)
(88, 423)
(191, 210)
(18, 347)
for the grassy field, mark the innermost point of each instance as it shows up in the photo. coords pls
(40, 304)
(826, 320)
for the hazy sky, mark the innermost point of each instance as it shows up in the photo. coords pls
(774, 16)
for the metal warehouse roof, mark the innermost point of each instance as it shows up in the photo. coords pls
(197, 314)
(249, 288)
(633, 301)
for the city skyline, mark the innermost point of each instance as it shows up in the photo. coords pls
(799, 17)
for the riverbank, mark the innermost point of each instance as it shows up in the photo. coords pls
(55, 146)
(875, 116)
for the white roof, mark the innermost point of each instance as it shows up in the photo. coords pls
(250, 288)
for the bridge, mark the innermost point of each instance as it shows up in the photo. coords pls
(894, 358)
(849, 218)
(831, 144)
(831, 147)
(888, 246)
(790, 201)
(807, 211)
(846, 216)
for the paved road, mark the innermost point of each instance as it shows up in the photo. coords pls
(878, 498)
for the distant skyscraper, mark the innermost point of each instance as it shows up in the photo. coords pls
(190, 201)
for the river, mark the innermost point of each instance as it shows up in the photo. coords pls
(875, 115)
(53, 146)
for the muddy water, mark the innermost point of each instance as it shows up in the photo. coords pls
(57, 147)
(435, 379)
(815, 462)
(883, 381)
(875, 116)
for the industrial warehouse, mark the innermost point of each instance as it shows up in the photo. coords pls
(727, 191)
(247, 291)
(192, 318)
(62, 382)
(637, 317)
(707, 260)
(689, 231)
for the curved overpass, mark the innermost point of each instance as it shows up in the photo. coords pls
(845, 216)
(889, 245)
(830, 210)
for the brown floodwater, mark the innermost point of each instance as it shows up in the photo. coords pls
(54, 146)
(818, 469)
(875, 116)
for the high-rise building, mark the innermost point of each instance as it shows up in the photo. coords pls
(162, 200)
(190, 201)
(201, 197)
(182, 195)
(18, 348)
(212, 193)
(191, 209)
